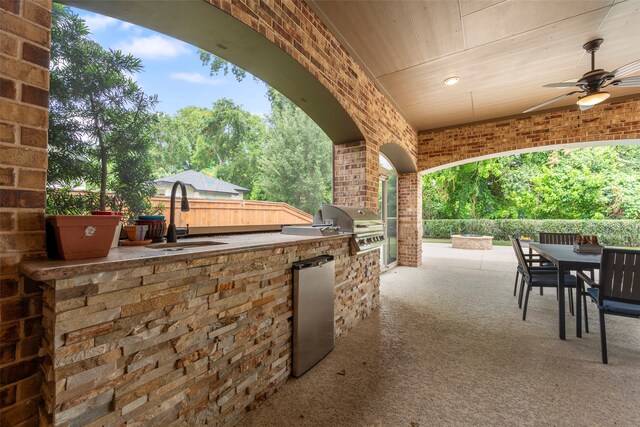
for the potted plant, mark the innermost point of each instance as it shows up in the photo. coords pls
(80, 236)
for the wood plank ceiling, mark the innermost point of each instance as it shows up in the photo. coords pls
(502, 50)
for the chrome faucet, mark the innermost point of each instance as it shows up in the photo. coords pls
(184, 207)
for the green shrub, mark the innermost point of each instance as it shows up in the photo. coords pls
(609, 232)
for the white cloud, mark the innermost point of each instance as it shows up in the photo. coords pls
(196, 78)
(97, 22)
(124, 25)
(153, 47)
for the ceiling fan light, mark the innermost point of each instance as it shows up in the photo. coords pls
(450, 81)
(593, 98)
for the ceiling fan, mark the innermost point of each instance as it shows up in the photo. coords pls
(592, 81)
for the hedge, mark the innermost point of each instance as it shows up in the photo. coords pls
(609, 232)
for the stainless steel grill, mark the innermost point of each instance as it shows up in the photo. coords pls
(365, 225)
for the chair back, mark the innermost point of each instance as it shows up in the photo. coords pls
(558, 238)
(517, 248)
(620, 275)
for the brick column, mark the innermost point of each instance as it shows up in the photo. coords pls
(410, 219)
(24, 92)
(355, 175)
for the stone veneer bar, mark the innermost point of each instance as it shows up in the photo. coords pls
(201, 337)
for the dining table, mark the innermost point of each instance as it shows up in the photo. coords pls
(566, 259)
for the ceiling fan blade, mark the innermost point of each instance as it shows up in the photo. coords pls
(625, 70)
(562, 84)
(586, 107)
(628, 82)
(551, 101)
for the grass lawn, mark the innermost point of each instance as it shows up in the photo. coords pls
(495, 242)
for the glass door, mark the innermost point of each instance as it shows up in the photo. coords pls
(391, 220)
(388, 211)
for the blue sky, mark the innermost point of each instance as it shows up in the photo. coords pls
(172, 69)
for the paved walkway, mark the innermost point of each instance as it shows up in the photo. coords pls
(447, 347)
(443, 256)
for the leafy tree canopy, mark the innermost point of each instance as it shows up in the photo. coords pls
(295, 166)
(283, 157)
(218, 65)
(587, 183)
(176, 138)
(100, 120)
(233, 139)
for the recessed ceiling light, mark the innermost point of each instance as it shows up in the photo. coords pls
(450, 81)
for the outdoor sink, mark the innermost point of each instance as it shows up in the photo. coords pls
(179, 246)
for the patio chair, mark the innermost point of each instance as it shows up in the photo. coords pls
(618, 292)
(567, 239)
(534, 262)
(540, 278)
(558, 238)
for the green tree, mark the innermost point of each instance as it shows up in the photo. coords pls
(296, 164)
(467, 191)
(217, 65)
(232, 141)
(623, 191)
(176, 138)
(570, 186)
(100, 120)
(588, 183)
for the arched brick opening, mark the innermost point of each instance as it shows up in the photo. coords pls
(399, 158)
(287, 45)
(409, 197)
(614, 121)
(290, 27)
(217, 31)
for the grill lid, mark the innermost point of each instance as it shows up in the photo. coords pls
(349, 219)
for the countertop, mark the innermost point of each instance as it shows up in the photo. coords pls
(136, 256)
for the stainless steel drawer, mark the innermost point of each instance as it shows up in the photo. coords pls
(313, 301)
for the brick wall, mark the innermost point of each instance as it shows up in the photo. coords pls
(355, 175)
(613, 120)
(24, 83)
(410, 219)
(187, 341)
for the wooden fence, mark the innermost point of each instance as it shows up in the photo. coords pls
(233, 212)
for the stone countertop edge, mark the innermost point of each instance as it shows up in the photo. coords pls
(125, 257)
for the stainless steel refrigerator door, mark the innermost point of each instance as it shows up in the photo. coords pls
(313, 300)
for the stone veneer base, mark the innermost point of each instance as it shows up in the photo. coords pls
(193, 341)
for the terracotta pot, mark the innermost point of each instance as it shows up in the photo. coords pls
(116, 235)
(79, 237)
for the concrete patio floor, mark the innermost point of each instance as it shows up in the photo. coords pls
(448, 347)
